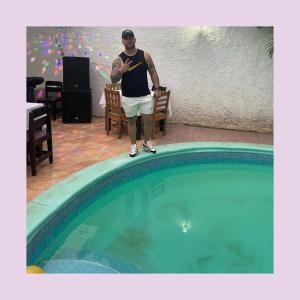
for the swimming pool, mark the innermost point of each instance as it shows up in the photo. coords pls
(191, 208)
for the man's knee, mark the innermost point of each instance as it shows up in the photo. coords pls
(146, 117)
(131, 120)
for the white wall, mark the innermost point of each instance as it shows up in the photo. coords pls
(218, 76)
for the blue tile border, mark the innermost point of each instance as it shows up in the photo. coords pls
(54, 218)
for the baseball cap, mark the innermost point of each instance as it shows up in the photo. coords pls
(127, 33)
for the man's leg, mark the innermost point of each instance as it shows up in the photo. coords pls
(132, 129)
(147, 127)
(130, 107)
(147, 145)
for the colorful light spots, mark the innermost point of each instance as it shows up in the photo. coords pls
(47, 50)
(44, 44)
(40, 93)
(103, 71)
(103, 74)
(58, 62)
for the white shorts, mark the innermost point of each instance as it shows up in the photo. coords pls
(133, 105)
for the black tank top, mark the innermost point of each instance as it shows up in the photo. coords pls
(135, 81)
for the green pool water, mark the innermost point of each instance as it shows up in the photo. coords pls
(204, 218)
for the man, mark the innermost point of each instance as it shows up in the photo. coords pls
(131, 66)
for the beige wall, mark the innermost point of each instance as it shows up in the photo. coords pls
(218, 76)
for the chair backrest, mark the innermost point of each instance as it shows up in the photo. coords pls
(38, 118)
(53, 88)
(161, 104)
(113, 101)
(31, 83)
(113, 86)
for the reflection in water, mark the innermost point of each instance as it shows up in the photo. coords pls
(139, 200)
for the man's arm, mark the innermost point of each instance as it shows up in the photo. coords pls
(116, 74)
(118, 68)
(152, 70)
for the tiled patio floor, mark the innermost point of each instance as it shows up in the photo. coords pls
(77, 146)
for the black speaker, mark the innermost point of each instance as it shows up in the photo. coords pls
(76, 73)
(77, 102)
(77, 107)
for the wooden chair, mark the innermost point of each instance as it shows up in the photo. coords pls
(114, 110)
(162, 89)
(39, 131)
(114, 87)
(53, 95)
(160, 111)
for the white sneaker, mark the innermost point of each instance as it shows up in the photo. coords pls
(148, 147)
(133, 150)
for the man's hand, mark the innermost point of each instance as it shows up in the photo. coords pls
(124, 66)
(157, 93)
(118, 68)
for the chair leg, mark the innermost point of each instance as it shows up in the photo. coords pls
(54, 111)
(32, 154)
(39, 150)
(108, 125)
(120, 126)
(49, 146)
